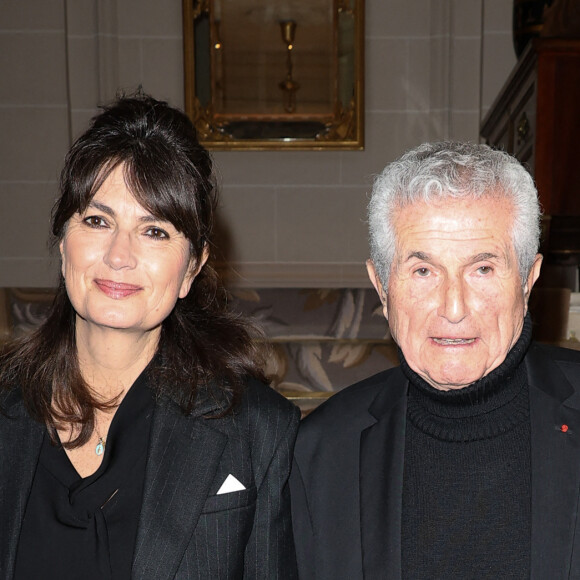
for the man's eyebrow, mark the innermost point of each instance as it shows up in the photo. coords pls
(425, 257)
(419, 255)
(484, 256)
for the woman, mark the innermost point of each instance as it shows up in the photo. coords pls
(137, 439)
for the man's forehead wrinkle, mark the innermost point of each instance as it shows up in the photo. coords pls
(467, 231)
(443, 230)
(412, 243)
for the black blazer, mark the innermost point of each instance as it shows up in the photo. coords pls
(185, 529)
(347, 478)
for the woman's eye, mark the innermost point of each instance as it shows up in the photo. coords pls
(157, 233)
(94, 221)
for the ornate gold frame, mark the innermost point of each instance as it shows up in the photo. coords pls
(342, 128)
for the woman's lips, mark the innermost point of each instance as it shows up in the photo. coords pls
(116, 289)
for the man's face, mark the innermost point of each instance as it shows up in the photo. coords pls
(455, 302)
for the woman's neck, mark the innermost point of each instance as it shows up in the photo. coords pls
(110, 359)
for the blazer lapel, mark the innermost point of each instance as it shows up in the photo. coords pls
(381, 481)
(20, 443)
(555, 442)
(183, 458)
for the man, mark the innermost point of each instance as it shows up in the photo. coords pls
(464, 461)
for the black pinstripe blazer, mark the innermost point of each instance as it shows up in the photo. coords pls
(186, 530)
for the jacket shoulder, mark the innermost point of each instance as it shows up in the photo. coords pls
(263, 415)
(258, 397)
(566, 359)
(345, 410)
(556, 353)
(556, 371)
(11, 401)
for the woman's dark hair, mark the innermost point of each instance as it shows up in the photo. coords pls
(202, 345)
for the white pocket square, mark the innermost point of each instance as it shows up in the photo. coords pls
(230, 484)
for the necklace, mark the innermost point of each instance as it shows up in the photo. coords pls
(102, 441)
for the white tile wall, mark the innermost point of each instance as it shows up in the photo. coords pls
(498, 53)
(41, 51)
(248, 214)
(432, 66)
(398, 18)
(319, 224)
(83, 61)
(279, 167)
(32, 16)
(163, 57)
(466, 17)
(33, 141)
(32, 201)
(82, 17)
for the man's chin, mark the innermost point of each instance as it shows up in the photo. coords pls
(452, 381)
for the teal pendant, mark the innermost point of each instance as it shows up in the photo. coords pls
(100, 448)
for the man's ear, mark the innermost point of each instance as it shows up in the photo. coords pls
(376, 282)
(532, 277)
(193, 271)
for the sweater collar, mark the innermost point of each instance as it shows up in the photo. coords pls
(491, 405)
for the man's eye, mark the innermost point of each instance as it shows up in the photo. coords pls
(422, 272)
(94, 221)
(157, 233)
(485, 270)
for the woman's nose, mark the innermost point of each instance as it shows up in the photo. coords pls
(120, 252)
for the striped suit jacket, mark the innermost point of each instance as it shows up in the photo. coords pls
(186, 530)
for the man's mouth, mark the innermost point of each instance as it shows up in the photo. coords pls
(445, 341)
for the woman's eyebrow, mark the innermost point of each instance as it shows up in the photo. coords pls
(102, 207)
(150, 218)
(147, 218)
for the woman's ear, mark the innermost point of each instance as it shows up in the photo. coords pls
(62, 258)
(193, 271)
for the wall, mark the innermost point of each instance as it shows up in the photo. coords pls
(293, 219)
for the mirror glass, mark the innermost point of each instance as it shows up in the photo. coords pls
(273, 74)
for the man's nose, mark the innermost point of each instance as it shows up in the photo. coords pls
(120, 253)
(453, 304)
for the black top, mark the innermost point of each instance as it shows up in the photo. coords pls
(467, 477)
(86, 528)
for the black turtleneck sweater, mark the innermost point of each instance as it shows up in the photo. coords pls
(467, 479)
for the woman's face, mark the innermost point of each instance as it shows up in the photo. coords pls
(124, 268)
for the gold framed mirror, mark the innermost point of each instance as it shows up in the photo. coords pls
(275, 74)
